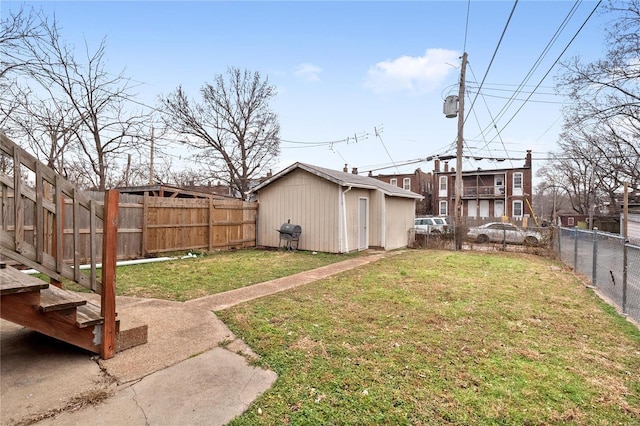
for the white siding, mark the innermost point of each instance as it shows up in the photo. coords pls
(400, 213)
(315, 204)
(306, 200)
(376, 218)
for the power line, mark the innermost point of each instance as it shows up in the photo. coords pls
(378, 132)
(555, 62)
(491, 116)
(466, 27)
(520, 100)
(495, 52)
(533, 68)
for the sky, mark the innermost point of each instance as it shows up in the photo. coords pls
(358, 82)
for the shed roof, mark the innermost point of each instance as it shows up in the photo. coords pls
(158, 190)
(343, 179)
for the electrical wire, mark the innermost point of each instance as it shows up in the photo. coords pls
(378, 132)
(495, 52)
(533, 68)
(466, 27)
(554, 63)
(491, 116)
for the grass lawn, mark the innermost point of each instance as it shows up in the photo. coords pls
(185, 279)
(435, 337)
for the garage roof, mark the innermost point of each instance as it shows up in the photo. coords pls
(343, 179)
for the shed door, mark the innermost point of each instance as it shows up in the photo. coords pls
(363, 223)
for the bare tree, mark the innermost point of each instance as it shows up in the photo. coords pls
(233, 127)
(88, 110)
(47, 124)
(15, 29)
(602, 120)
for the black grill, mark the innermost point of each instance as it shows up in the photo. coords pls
(290, 234)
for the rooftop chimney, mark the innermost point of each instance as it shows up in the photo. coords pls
(446, 166)
(354, 170)
(370, 173)
(527, 161)
(436, 166)
(346, 168)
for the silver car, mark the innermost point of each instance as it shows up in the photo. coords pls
(430, 225)
(507, 232)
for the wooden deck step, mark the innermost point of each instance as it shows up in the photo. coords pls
(13, 281)
(57, 299)
(88, 315)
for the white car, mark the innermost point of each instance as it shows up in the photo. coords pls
(430, 225)
(507, 232)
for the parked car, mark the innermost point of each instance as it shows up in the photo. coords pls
(430, 225)
(507, 232)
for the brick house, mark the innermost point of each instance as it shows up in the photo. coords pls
(418, 182)
(485, 193)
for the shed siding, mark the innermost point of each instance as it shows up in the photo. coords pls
(376, 219)
(400, 213)
(308, 201)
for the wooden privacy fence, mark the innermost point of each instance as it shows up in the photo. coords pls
(150, 225)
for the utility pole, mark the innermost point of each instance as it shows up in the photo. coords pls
(458, 202)
(151, 158)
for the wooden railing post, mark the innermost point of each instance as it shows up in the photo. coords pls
(109, 256)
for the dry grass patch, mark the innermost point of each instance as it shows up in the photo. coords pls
(211, 273)
(430, 337)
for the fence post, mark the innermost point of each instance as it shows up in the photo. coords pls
(625, 260)
(109, 257)
(145, 220)
(559, 241)
(594, 259)
(575, 249)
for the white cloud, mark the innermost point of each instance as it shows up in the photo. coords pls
(412, 74)
(308, 72)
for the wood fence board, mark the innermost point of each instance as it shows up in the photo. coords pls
(159, 225)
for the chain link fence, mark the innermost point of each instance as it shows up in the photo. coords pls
(516, 238)
(611, 262)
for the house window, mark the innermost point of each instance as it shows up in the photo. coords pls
(570, 221)
(517, 208)
(517, 180)
(443, 183)
(443, 208)
(406, 184)
(394, 181)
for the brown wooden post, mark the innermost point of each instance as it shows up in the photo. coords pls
(109, 255)
(210, 239)
(57, 248)
(145, 220)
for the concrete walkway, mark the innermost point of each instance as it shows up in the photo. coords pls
(193, 370)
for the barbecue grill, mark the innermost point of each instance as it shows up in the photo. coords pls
(290, 234)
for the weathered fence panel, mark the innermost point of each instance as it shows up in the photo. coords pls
(149, 225)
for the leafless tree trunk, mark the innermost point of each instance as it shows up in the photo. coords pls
(233, 127)
(87, 111)
(602, 121)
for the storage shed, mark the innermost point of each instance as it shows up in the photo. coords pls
(339, 212)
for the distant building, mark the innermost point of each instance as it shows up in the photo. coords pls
(418, 182)
(485, 193)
